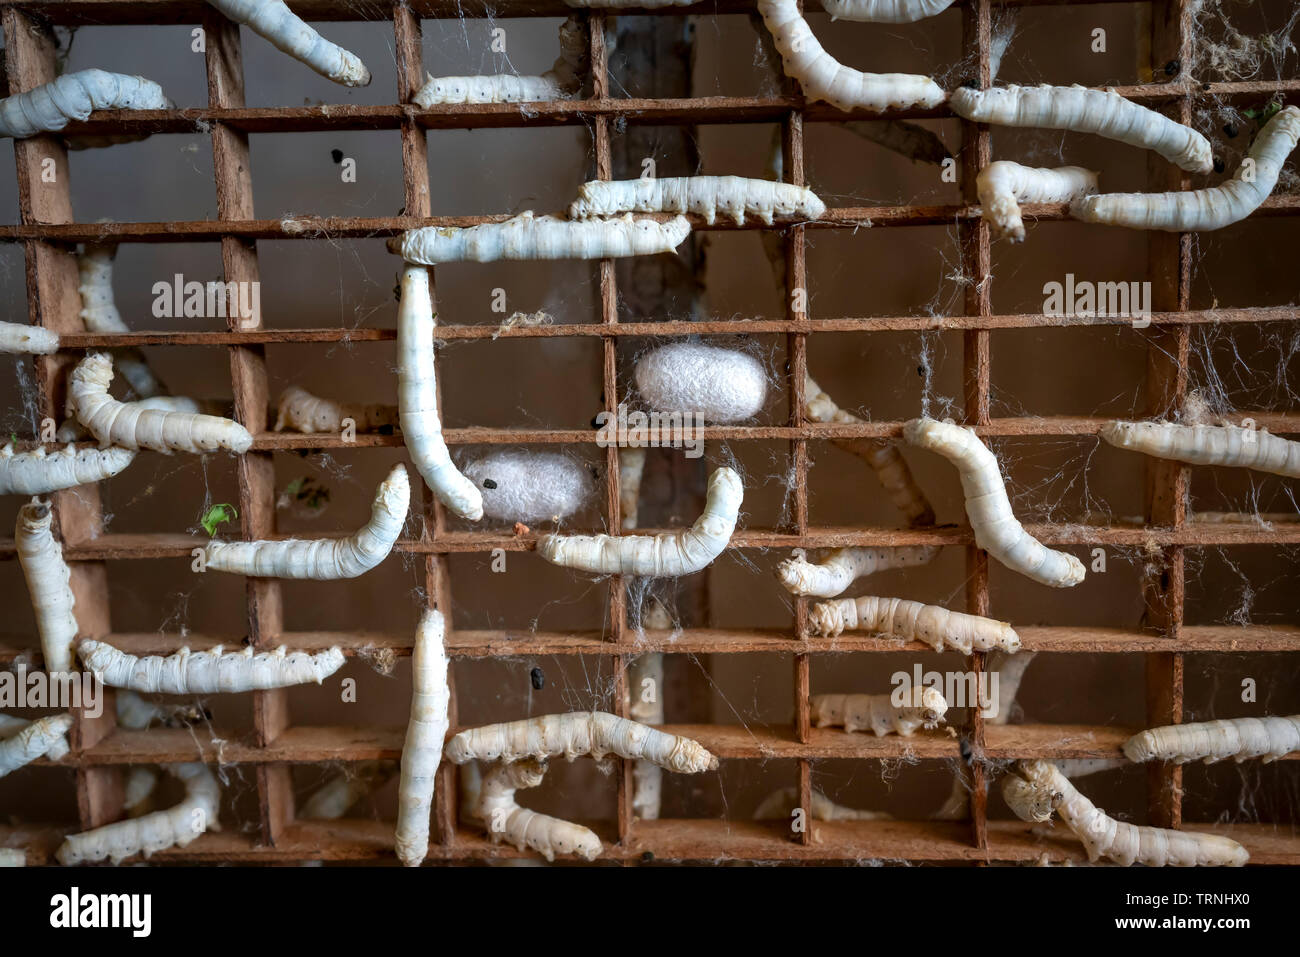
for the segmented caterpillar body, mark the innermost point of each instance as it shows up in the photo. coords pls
(561, 81)
(1208, 445)
(300, 411)
(884, 11)
(425, 731)
(49, 583)
(1238, 738)
(921, 707)
(74, 96)
(781, 803)
(274, 22)
(838, 570)
(912, 621)
(505, 819)
(36, 739)
(23, 339)
(733, 196)
(1004, 185)
(99, 313)
(39, 473)
(207, 672)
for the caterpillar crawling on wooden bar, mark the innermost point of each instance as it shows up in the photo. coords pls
(912, 621)
(1208, 445)
(425, 731)
(74, 96)
(734, 196)
(300, 411)
(505, 819)
(323, 559)
(1004, 185)
(274, 22)
(39, 473)
(884, 11)
(879, 713)
(838, 570)
(175, 827)
(49, 583)
(207, 672)
(21, 338)
(31, 740)
(1238, 738)
(666, 554)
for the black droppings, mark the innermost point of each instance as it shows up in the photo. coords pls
(647, 857)
(538, 677)
(336, 156)
(1231, 129)
(1172, 68)
(1218, 165)
(385, 430)
(488, 483)
(971, 84)
(920, 370)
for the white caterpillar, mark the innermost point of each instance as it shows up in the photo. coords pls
(781, 803)
(912, 621)
(645, 673)
(138, 789)
(1206, 209)
(274, 22)
(519, 485)
(128, 425)
(884, 11)
(44, 736)
(1208, 445)
(721, 385)
(336, 797)
(74, 96)
(417, 399)
(207, 672)
(48, 582)
(99, 313)
(882, 456)
(1038, 788)
(733, 196)
(425, 731)
(823, 78)
(137, 714)
(987, 507)
(1010, 669)
(838, 570)
(596, 733)
(1004, 185)
(540, 237)
(10, 726)
(561, 81)
(504, 818)
(878, 713)
(73, 431)
(323, 559)
(175, 827)
(631, 467)
(615, 4)
(1211, 741)
(300, 411)
(39, 473)
(1077, 108)
(666, 554)
(24, 339)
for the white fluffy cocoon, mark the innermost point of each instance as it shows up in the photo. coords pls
(529, 486)
(722, 385)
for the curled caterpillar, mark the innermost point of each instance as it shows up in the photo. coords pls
(1203, 209)
(74, 96)
(596, 733)
(425, 731)
(300, 411)
(504, 818)
(1003, 186)
(781, 803)
(323, 559)
(138, 790)
(1238, 738)
(36, 739)
(900, 712)
(838, 570)
(130, 426)
(10, 726)
(562, 80)
(1077, 108)
(1038, 788)
(73, 431)
(99, 313)
(987, 507)
(274, 22)
(823, 78)
(207, 672)
(540, 237)
(174, 827)
(1208, 445)
(417, 399)
(49, 583)
(39, 473)
(884, 11)
(23, 339)
(682, 552)
(733, 196)
(912, 621)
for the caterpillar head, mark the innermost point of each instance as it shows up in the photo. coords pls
(1030, 791)
(926, 705)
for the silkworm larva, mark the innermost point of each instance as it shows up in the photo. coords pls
(780, 805)
(99, 313)
(540, 237)
(1238, 738)
(174, 827)
(1003, 186)
(323, 559)
(720, 385)
(646, 674)
(501, 88)
(39, 738)
(882, 456)
(596, 733)
(425, 731)
(24, 339)
(823, 78)
(682, 552)
(13, 857)
(733, 196)
(910, 620)
(130, 426)
(207, 672)
(1010, 669)
(504, 818)
(519, 485)
(1203, 209)
(139, 788)
(1208, 445)
(631, 467)
(922, 707)
(136, 713)
(73, 431)
(884, 11)
(417, 399)
(39, 473)
(838, 570)
(339, 794)
(988, 508)
(48, 582)
(74, 96)
(1077, 108)
(1038, 788)
(300, 411)
(274, 22)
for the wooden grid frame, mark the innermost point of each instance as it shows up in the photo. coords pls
(100, 750)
